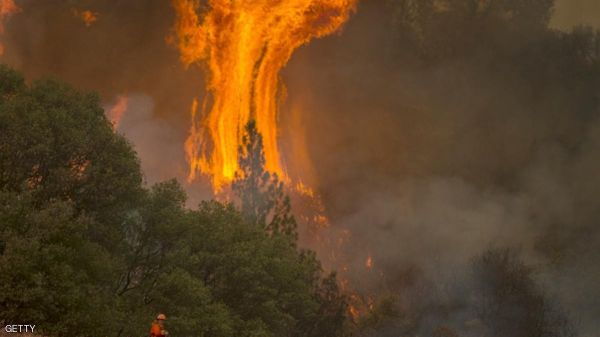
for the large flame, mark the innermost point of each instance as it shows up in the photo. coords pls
(115, 113)
(244, 44)
(7, 8)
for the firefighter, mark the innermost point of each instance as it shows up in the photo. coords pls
(158, 327)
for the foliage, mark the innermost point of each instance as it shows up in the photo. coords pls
(261, 193)
(57, 144)
(462, 28)
(381, 314)
(49, 272)
(87, 250)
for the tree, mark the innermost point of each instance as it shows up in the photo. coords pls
(151, 233)
(49, 272)
(331, 317)
(263, 203)
(81, 239)
(56, 143)
(443, 30)
(261, 194)
(509, 302)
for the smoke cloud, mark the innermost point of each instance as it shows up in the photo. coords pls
(569, 13)
(430, 163)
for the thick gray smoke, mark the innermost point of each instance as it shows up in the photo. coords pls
(432, 138)
(430, 157)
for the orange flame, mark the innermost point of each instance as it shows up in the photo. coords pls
(7, 9)
(192, 144)
(245, 44)
(88, 17)
(115, 114)
(354, 312)
(369, 262)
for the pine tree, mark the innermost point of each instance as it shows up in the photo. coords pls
(261, 194)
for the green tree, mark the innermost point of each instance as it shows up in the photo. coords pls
(442, 30)
(264, 204)
(49, 272)
(56, 143)
(75, 182)
(81, 239)
(261, 194)
(262, 279)
(332, 315)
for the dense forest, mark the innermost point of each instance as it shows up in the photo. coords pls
(88, 250)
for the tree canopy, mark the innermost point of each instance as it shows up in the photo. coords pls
(86, 249)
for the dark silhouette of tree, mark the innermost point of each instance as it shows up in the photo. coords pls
(510, 303)
(262, 198)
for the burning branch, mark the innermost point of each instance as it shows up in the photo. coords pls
(7, 9)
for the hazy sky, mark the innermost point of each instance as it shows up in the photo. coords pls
(570, 13)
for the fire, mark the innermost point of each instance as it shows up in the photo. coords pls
(369, 262)
(192, 144)
(354, 312)
(88, 17)
(115, 114)
(305, 190)
(244, 44)
(7, 9)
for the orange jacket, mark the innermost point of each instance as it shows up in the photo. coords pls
(156, 331)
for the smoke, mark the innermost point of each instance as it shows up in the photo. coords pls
(571, 13)
(124, 50)
(157, 143)
(430, 163)
(429, 146)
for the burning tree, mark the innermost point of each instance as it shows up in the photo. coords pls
(243, 45)
(261, 194)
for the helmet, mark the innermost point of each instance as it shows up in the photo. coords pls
(161, 316)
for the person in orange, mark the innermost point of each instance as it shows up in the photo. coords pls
(158, 327)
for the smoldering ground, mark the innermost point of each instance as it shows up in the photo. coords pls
(432, 134)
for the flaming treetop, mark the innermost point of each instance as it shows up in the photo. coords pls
(244, 44)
